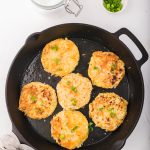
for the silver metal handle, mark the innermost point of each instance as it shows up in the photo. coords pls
(69, 10)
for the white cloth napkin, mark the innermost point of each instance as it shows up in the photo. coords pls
(11, 142)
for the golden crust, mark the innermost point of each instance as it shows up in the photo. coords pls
(74, 91)
(37, 100)
(108, 111)
(69, 129)
(106, 70)
(60, 57)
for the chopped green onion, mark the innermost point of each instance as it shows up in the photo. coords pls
(111, 109)
(33, 98)
(68, 82)
(113, 67)
(108, 6)
(54, 48)
(62, 136)
(112, 112)
(74, 101)
(101, 108)
(113, 5)
(41, 103)
(74, 89)
(75, 128)
(90, 126)
(91, 123)
(95, 68)
(57, 60)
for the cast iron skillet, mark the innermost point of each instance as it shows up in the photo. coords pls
(27, 67)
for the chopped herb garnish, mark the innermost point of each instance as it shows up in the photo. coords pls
(101, 108)
(113, 5)
(41, 103)
(62, 136)
(113, 67)
(95, 68)
(68, 82)
(112, 112)
(90, 126)
(54, 48)
(33, 98)
(74, 89)
(73, 101)
(91, 123)
(57, 60)
(75, 128)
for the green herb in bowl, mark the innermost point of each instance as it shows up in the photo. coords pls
(113, 5)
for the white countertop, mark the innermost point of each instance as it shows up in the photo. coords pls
(18, 19)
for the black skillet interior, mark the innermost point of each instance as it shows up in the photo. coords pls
(27, 67)
(35, 72)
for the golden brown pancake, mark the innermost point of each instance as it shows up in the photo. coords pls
(74, 91)
(37, 100)
(60, 57)
(69, 129)
(106, 69)
(108, 111)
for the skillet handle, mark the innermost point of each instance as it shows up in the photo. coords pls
(136, 42)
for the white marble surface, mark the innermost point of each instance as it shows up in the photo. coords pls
(18, 19)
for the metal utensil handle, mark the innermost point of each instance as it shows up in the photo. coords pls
(137, 43)
(80, 7)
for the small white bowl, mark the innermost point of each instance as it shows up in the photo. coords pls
(124, 5)
(48, 4)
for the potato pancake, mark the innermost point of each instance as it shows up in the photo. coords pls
(37, 100)
(69, 129)
(74, 91)
(60, 57)
(106, 70)
(108, 111)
